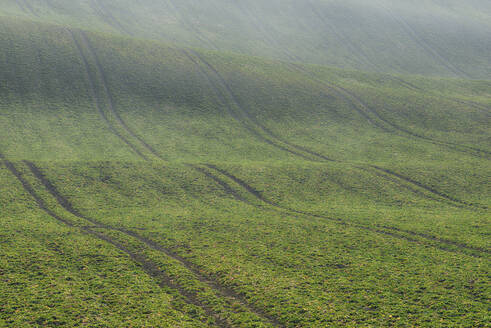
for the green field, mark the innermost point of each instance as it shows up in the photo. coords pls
(148, 179)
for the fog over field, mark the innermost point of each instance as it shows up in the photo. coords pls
(245, 163)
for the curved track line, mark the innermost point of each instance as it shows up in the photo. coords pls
(196, 270)
(358, 103)
(107, 16)
(343, 92)
(110, 98)
(222, 97)
(357, 52)
(251, 190)
(425, 187)
(98, 102)
(423, 44)
(248, 116)
(197, 33)
(149, 267)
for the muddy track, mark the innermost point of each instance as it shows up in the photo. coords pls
(245, 115)
(196, 270)
(149, 267)
(111, 106)
(386, 230)
(98, 102)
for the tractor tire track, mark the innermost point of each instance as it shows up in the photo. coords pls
(424, 45)
(246, 115)
(320, 157)
(425, 187)
(107, 17)
(393, 231)
(360, 55)
(98, 102)
(149, 267)
(363, 108)
(111, 106)
(196, 270)
(190, 26)
(221, 96)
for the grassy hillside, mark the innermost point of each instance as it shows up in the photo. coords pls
(145, 184)
(429, 37)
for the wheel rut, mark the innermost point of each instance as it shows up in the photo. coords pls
(111, 105)
(381, 229)
(213, 284)
(148, 266)
(245, 118)
(424, 45)
(98, 102)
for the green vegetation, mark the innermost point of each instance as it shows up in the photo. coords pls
(145, 184)
(443, 38)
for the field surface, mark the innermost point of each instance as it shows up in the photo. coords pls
(153, 173)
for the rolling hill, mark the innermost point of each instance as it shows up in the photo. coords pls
(160, 169)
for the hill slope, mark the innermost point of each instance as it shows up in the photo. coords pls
(148, 184)
(429, 37)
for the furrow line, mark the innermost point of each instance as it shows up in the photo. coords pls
(237, 117)
(98, 101)
(393, 231)
(197, 33)
(423, 44)
(355, 50)
(107, 16)
(251, 118)
(149, 267)
(425, 187)
(111, 106)
(193, 268)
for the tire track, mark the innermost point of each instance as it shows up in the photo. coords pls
(108, 17)
(357, 51)
(346, 95)
(149, 267)
(98, 102)
(423, 44)
(190, 26)
(111, 106)
(213, 284)
(241, 120)
(425, 187)
(393, 231)
(363, 108)
(246, 116)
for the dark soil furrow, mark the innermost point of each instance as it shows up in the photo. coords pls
(246, 114)
(213, 284)
(378, 229)
(98, 102)
(164, 280)
(111, 106)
